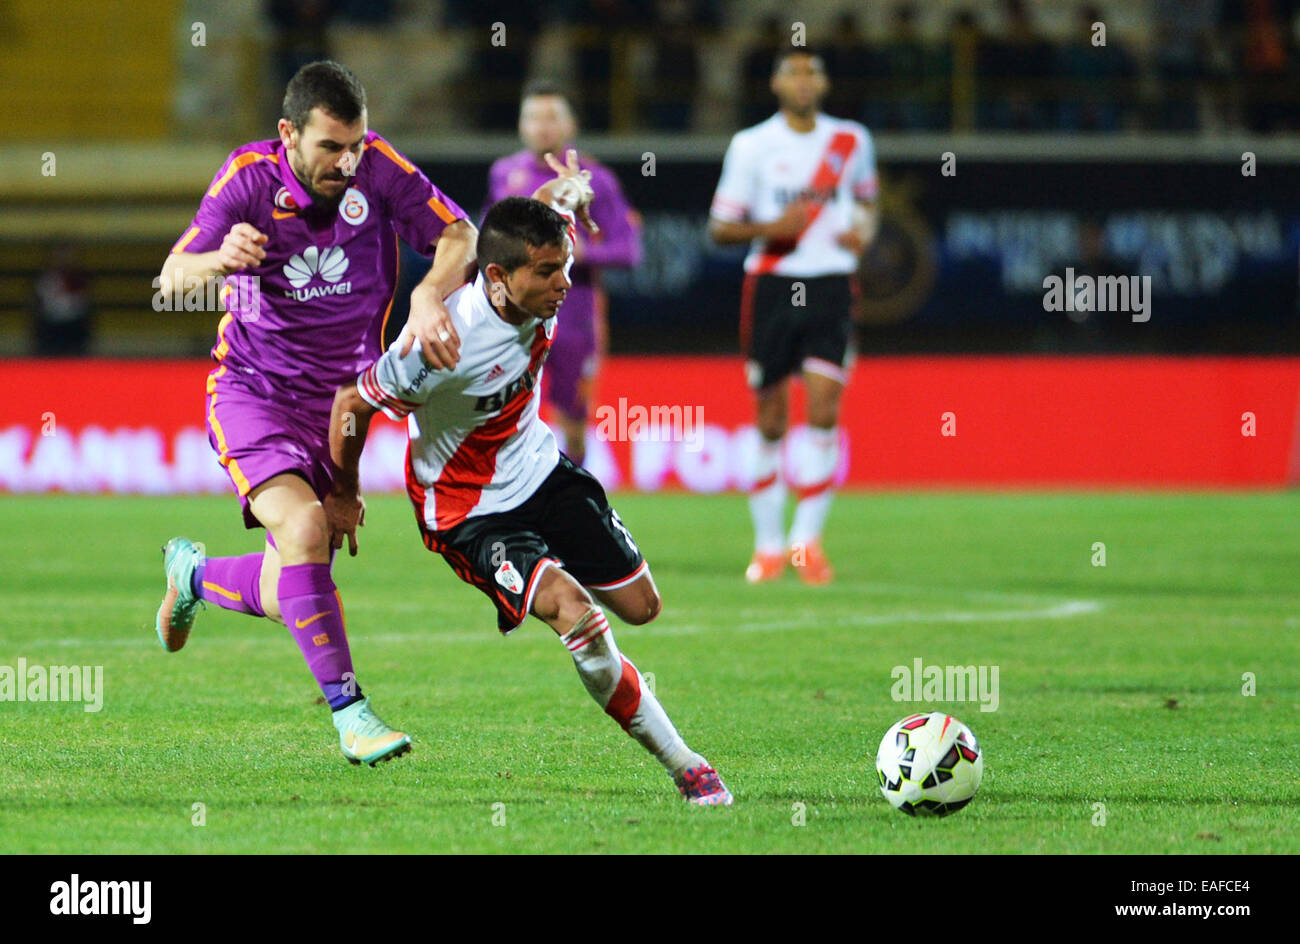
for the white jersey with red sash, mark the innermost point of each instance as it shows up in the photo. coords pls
(477, 445)
(770, 166)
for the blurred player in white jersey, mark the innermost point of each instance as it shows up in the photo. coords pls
(800, 187)
(492, 493)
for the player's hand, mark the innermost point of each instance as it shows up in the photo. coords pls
(573, 189)
(791, 223)
(343, 515)
(430, 324)
(851, 240)
(863, 231)
(241, 248)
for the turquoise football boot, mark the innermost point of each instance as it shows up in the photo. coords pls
(364, 738)
(179, 605)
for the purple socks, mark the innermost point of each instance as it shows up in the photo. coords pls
(231, 582)
(309, 605)
(313, 611)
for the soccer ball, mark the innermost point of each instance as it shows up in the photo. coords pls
(929, 765)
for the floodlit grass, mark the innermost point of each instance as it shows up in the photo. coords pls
(1120, 685)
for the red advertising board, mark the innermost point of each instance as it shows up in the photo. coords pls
(684, 422)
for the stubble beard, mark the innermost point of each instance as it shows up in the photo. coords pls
(321, 201)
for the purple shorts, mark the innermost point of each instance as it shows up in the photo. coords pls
(256, 438)
(575, 354)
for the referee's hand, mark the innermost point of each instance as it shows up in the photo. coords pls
(241, 248)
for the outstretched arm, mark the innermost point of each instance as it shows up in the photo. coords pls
(345, 510)
(429, 323)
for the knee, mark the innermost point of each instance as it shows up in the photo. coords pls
(824, 415)
(772, 418)
(303, 533)
(824, 409)
(646, 606)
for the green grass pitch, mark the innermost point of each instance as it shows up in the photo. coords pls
(1120, 685)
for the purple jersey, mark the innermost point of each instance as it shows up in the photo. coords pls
(619, 241)
(327, 283)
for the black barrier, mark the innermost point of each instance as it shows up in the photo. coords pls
(1223, 896)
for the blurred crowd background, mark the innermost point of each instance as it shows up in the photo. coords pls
(1106, 136)
(682, 65)
(679, 65)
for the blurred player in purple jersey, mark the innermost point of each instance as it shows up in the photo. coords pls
(303, 230)
(547, 126)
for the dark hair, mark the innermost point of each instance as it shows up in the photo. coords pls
(514, 225)
(785, 53)
(546, 87)
(326, 85)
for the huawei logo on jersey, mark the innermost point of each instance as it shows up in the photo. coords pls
(329, 263)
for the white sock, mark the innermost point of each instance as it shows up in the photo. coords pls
(767, 498)
(616, 685)
(817, 472)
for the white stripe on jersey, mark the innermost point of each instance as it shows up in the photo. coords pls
(770, 165)
(477, 444)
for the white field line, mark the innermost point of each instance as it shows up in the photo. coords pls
(48, 601)
(258, 634)
(1066, 610)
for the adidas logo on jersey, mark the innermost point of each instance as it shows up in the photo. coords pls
(498, 401)
(494, 373)
(329, 263)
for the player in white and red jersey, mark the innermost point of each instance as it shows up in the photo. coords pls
(493, 494)
(800, 188)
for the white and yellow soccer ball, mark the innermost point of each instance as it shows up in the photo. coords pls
(929, 764)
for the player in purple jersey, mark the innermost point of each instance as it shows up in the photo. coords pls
(304, 230)
(546, 126)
